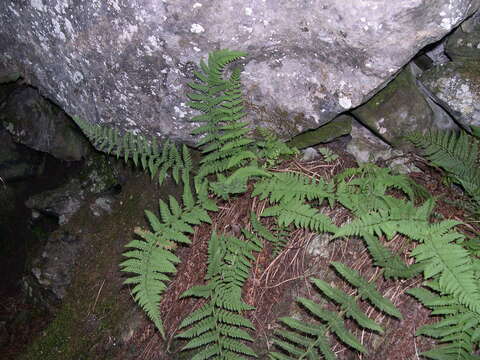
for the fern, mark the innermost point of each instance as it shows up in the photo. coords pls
(396, 216)
(224, 145)
(450, 263)
(270, 148)
(457, 153)
(278, 240)
(364, 189)
(284, 187)
(217, 326)
(392, 265)
(218, 329)
(459, 329)
(142, 152)
(328, 155)
(310, 341)
(301, 215)
(152, 258)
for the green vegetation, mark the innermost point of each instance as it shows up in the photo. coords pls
(230, 159)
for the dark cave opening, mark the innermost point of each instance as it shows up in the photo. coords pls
(23, 230)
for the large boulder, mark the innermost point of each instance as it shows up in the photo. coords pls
(126, 63)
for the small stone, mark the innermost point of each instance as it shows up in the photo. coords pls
(310, 154)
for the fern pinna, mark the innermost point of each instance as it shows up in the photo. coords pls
(158, 161)
(310, 341)
(217, 326)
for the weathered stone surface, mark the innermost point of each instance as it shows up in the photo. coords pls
(17, 162)
(35, 122)
(365, 146)
(126, 62)
(98, 176)
(8, 77)
(341, 125)
(464, 43)
(398, 109)
(456, 86)
(62, 203)
(53, 270)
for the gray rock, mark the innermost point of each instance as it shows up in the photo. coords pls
(456, 87)
(319, 246)
(438, 55)
(62, 202)
(365, 146)
(127, 62)
(340, 126)
(37, 123)
(51, 272)
(398, 109)
(102, 205)
(464, 43)
(310, 154)
(16, 162)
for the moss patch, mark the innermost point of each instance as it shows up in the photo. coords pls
(340, 126)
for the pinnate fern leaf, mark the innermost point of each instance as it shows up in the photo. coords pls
(444, 258)
(216, 328)
(152, 259)
(301, 215)
(310, 341)
(290, 186)
(367, 290)
(455, 152)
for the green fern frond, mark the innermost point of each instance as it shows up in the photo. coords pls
(443, 257)
(393, 266)
(150, 263)
(396, 216)
(334, 322)
(221, 102)
(291, 186)
(270, 148)
(457, 153)
(310, 341)
(367, 290)
(153, 259)
(278, 240)
(301, 215)
(348, 305)
(365, 188)
(328, 155)
(141, 151)
(458, 329)
(217, 326)
(307, 342)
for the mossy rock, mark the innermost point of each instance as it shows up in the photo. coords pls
(398, 109)
(464, 43)
(342, 125)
